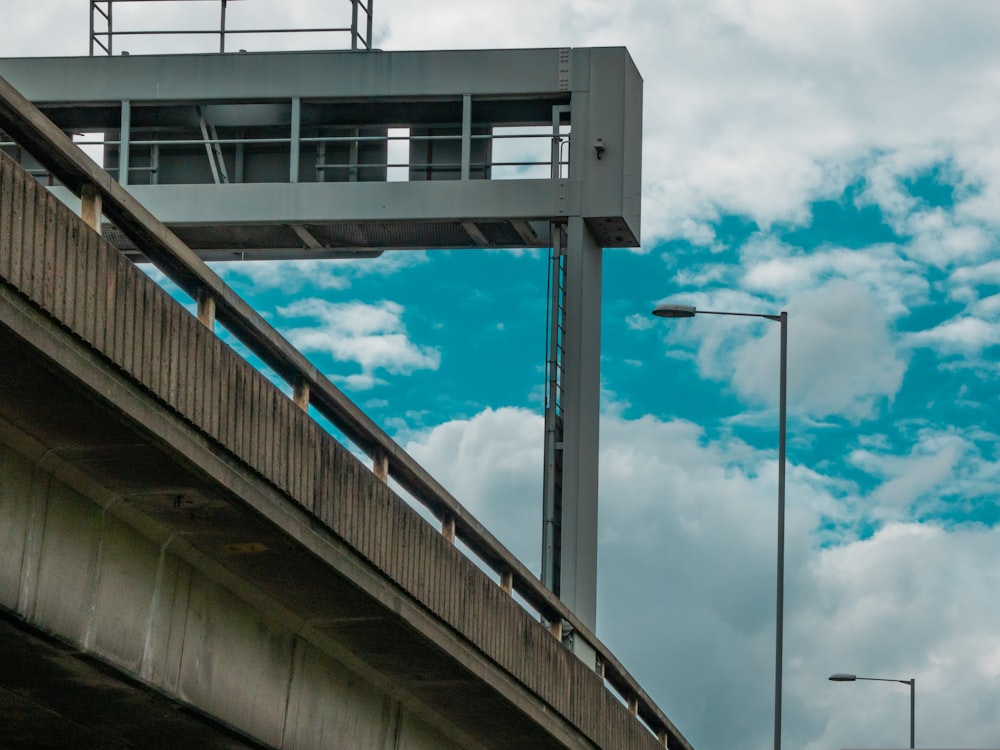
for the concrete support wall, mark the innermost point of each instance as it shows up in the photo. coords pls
(69, 566)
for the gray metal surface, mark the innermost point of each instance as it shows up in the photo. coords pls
(279, 138)
(580, 416)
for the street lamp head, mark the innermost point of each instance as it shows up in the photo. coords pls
(843, 677)
(666, 310)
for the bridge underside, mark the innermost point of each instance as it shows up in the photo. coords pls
(53, 695)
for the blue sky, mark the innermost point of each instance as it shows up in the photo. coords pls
(835, 159)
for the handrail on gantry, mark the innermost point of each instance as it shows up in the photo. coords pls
(360, 29)
(29, 127)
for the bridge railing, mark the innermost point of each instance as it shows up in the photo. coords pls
(217, 302)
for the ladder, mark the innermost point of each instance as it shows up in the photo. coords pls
(554, 371)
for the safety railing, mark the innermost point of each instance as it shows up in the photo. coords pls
(528, 153)
(217, 302)
(103, 32)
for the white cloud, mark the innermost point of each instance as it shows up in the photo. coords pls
(988, 307)
(774, 268)
(960, 335)
(639, 322)
(843, 362)
(292, 276)
(357, 382)
(841, 358)
(930, 471)
(371, 335)
(706, 274)
(964, 285)
(986, 273)
(492, 463)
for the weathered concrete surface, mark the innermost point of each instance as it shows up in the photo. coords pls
(78, 560)
(199, 532)
(54, 696)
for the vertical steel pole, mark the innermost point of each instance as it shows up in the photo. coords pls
(354, 24)
(466, 135)
(581, 419)
(913, 709)
(124, 143)
(368, 41)
(780, 598)
(294, 146)
(222, 29)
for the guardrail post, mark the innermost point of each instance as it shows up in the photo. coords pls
(507, 582)
(448, 528)
(663, 738)
(90, 206)
(633, 705)
(206, 309)
(555, 628)
(380, 464)
(300, 394)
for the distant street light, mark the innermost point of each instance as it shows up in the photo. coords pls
(666, 310)
(913, 692)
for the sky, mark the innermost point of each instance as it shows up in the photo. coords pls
(837, 159)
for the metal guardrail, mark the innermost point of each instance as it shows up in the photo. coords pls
(102, 12)
(554, 165)
(99, 193)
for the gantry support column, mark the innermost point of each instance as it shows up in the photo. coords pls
(581, 412)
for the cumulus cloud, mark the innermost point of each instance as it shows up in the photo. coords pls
(357, 382)
(639, 322)
(841, 358)
(492, 463)
(928, 473)
(913, 601)
(372, 335)
(961, 335)
(292, 276)
(985, 273)
(773, 268)
(844, 361)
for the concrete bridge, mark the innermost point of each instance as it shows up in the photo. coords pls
(188, 559)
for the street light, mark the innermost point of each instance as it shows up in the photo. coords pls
(913, 692)
(667, 310)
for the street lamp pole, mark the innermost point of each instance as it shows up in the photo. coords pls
(913, 694)
(780, 596)
(666, 310)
